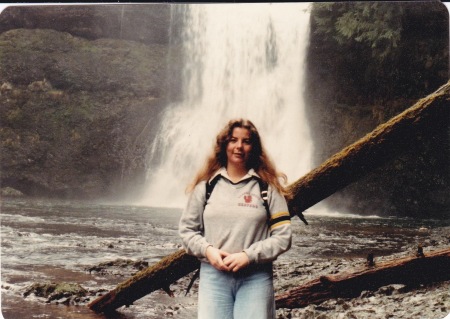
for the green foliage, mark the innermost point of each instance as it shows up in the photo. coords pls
(376, 25)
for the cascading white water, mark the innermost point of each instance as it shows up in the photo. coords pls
(242, 60)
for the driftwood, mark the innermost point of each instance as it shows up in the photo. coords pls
(340, 170)
(410, 271)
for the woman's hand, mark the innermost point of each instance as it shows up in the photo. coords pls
(216, 258)
(236, 261)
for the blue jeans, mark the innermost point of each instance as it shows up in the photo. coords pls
(247, 294)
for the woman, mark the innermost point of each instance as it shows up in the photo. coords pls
(229, 230)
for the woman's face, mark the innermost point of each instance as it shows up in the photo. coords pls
(239, 147)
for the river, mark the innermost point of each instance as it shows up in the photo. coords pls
(57, 241)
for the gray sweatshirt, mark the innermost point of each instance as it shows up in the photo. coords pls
(234, 219)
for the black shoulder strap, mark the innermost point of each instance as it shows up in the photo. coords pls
(263, 186)
(264, 189)
(210, 186)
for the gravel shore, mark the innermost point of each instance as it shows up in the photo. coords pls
(397, 301)
(392, 301)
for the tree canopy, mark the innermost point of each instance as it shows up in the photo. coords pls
(376, 25)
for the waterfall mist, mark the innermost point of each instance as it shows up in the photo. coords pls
(239, 60)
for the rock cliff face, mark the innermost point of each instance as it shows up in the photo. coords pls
(349, 94)
(77, 112)
(81, 88)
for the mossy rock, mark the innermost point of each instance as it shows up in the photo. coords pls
(119, 267)
(10, 192)
(56, 291)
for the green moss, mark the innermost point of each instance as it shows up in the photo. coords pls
(53, 291)
(14, 115)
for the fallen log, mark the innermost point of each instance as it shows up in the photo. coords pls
(373, 150)
(410, 271)
(158, 276)
(337, 172)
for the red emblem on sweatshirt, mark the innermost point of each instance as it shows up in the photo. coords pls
(248, 198)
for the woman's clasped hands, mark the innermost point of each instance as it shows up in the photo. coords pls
(224, 261)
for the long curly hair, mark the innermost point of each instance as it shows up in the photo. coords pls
(258, 159)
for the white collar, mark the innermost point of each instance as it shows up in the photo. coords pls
(223, 171)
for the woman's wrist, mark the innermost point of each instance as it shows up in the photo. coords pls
(206, 249)
(248, 258)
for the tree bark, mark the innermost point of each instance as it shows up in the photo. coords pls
(350, 164)
(410, 271)
(158, 276)
(373, 150)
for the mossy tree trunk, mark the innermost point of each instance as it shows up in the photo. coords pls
(158, 276)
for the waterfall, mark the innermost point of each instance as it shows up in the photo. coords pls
(240, 60)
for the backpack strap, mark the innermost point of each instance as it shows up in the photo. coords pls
(263, 186)
(194, 277)
(210, 186)
(264, 189)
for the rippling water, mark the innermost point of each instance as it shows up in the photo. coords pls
(43, 240)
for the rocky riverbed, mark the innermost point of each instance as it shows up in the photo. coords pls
(431, 301)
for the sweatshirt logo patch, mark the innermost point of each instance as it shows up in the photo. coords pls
(247, 201)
